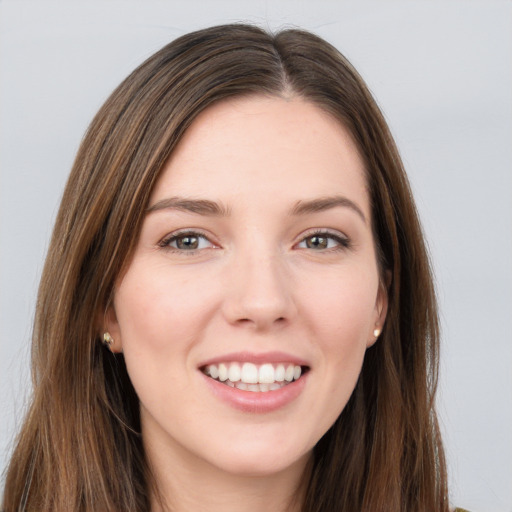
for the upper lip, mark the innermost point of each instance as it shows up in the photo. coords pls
(256, 358)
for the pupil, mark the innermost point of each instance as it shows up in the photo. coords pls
(317, 242)
(187, 242)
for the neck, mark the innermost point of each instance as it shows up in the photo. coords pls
(188, 483)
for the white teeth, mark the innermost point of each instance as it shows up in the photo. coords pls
(266, 374)
(212, 371)
(234, 372)
(279, 373)
(249, 373)
(256, 387)
(251, 377)
(223, 372)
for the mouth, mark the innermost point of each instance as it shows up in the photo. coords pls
(258, 378)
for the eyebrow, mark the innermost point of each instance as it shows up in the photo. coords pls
(326, 203)
(198, 206)
(212, 208)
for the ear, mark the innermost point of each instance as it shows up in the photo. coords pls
(381, 309)
(108, 322)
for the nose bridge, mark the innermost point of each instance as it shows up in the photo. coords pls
(259, 293)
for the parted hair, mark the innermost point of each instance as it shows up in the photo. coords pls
(80, 447)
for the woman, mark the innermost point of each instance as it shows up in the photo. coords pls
(237, 309)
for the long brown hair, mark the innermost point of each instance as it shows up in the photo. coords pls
(80, 447)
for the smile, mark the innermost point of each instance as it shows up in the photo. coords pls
(252, 377)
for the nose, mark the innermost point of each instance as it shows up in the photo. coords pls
(258, 294)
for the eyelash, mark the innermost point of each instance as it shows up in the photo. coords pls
(342, 242)
(165, 243)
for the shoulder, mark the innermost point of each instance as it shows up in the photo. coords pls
(459, 510)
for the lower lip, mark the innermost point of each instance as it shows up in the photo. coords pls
(254, 401)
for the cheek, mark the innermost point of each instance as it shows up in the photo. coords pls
(341, 315)
(342, 308)
(159, 310)
(160, 316)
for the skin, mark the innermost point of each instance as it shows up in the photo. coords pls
(256, 282)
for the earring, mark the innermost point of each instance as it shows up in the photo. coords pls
(376, 333)
(108, 340)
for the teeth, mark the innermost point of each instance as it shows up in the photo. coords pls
(250, 377)
(255, 387)
(234, 372)
(249, 373)
(223, 372)
(213, 371)
(266, 374)
(279, 374)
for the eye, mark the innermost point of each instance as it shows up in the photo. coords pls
(322, 240)
(188, 241)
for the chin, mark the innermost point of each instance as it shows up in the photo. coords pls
(261, 463)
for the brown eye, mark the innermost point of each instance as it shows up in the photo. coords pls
(324, 241)
(317, 242)
(187, 242)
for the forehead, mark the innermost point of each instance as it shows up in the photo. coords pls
(285, 149)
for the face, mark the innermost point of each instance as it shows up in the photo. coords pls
(254, 291)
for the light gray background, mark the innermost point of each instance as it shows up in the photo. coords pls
(441, 71)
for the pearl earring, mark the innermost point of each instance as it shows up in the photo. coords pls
(108, 340)
(376, 333)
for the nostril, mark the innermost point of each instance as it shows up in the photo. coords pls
(245, 321)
